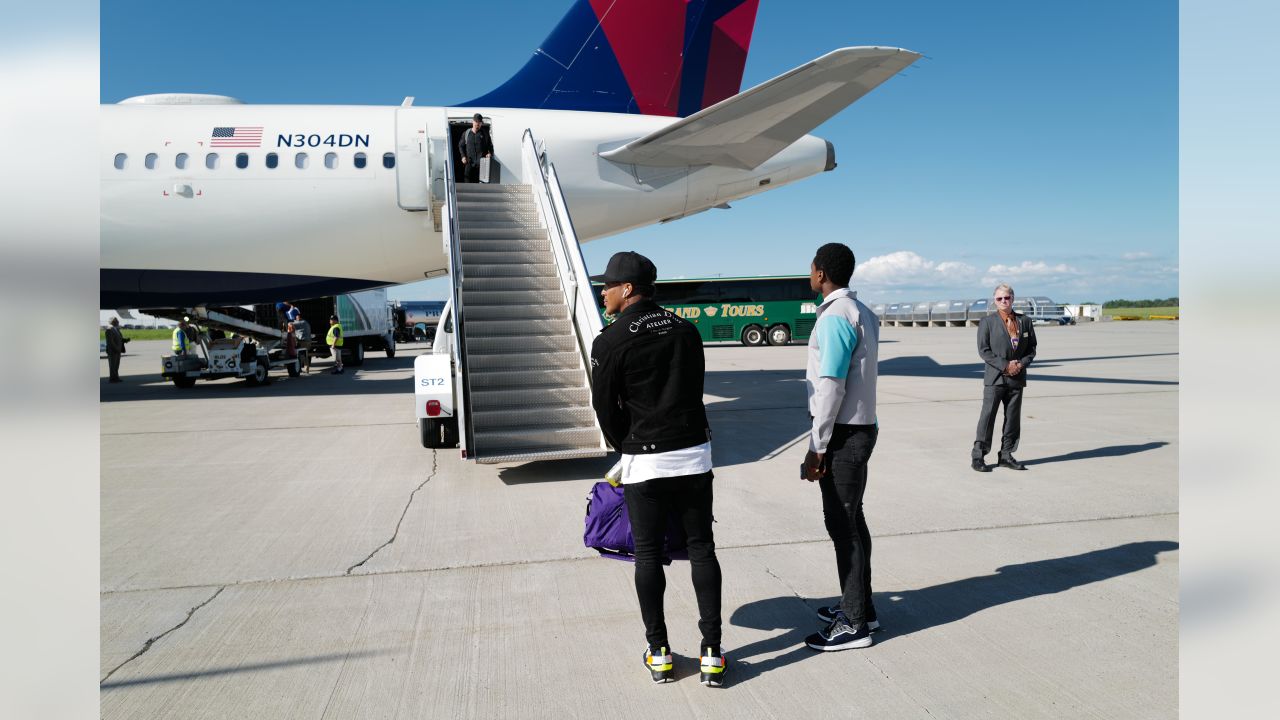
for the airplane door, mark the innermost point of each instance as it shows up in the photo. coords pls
(413, 156)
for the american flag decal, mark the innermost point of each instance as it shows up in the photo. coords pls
(233, 137)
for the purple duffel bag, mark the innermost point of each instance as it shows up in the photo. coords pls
(608, 529)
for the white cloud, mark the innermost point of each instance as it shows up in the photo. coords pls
(907, 269)
(1136, 256)
(1039, 270)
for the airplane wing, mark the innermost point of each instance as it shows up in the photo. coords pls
(745, 130)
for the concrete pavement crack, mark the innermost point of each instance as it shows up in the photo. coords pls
(147, 645)
(434, 465)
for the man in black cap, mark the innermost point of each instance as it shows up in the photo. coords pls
(646, 388)
(474, 145)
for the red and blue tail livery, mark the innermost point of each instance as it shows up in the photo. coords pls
(651, 57)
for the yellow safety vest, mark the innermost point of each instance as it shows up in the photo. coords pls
(179, 340)
(334, 338)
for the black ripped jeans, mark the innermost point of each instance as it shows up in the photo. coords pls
(843, 486)
(649, 505)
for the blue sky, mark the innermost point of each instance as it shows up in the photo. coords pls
(1036, 144)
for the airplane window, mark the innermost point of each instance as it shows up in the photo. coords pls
(121, 158)
(388, 160)
(150, 161)
(331, 160)
(180, 161)
(242, 160)
(360, 161)
(300, 161)
(211, 161)
(272, 160)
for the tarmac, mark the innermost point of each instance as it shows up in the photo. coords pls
(292, 551)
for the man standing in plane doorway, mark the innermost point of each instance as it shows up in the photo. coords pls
(840, 378)
(1007, 345)
(647, 371)
(474, 145)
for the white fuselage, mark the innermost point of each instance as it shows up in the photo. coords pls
(321, 217)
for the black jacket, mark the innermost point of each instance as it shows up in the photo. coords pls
(475, 145)
(646, 381)
(996, 351)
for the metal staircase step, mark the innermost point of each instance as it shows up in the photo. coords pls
(506, 285)
(527, 378)
(492, 189)
(559, 416)
(472, 299)
(527, 237)
(561, 453)
(472, 258)
(514, 439)
(500, 344)
(489, 270)
(519, 311)
(523, 360)
(477, 329)
(472, 215)
(493, 398)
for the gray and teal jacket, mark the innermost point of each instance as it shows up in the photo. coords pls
(840, 377)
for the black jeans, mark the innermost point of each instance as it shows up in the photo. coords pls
(993, 396)
(649, 505)
(843, 486)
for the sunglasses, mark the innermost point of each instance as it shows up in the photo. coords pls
(1004, 297)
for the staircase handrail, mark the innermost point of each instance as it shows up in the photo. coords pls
(574, 281)
(451, 237)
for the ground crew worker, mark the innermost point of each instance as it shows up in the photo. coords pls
(647, 373)
(334, 341)
(181, 338)
(115, 348)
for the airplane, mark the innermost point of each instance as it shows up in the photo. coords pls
(207, 200)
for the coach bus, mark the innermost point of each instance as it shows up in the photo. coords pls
(751, 310)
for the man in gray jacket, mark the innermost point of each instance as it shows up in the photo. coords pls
(840, 378)
(1007, 345)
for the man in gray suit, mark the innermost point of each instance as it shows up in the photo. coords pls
(1007, 345)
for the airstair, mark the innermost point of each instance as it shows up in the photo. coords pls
(524, 318)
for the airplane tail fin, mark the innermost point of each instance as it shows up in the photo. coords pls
(651, 57)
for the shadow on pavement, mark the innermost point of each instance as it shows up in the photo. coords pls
(363, 380)
(909, 611)
(925, 366)
(1110, 451)
(246, 668)
(556, 470)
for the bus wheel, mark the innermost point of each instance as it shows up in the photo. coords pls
(183, 381)
(753, 335)
(779, 335)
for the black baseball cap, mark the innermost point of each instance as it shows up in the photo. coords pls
(629, 267)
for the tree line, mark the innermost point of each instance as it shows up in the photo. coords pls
(1166, 302)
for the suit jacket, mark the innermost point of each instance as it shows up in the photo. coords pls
(996, 351)
(115, 341)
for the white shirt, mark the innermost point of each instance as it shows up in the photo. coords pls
(686, 461)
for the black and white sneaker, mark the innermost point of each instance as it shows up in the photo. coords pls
(659, 664)
(712, 666)
(840, 635)
(828, 615)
